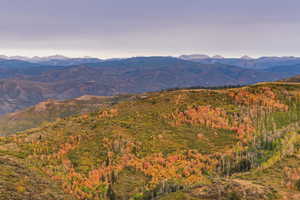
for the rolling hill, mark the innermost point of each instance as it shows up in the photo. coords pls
(294, 79)
(188, 144)
(51, 110)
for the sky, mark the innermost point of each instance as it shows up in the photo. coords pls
(125, 28)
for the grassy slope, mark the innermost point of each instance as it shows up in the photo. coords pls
(20, 183)
(128, 150)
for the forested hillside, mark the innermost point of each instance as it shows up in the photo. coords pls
(240, 143)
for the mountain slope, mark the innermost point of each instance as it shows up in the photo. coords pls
(183, 144)
(286, 70)
(16, 94)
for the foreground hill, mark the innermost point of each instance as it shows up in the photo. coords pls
(185, 144)
(134, 75)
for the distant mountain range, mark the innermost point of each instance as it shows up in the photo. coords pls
(244, 61)
(56, 60)
(24, 83)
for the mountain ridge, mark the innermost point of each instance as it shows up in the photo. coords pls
(260, 63)
(133, 75)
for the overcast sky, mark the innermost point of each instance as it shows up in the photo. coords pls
(122, 28)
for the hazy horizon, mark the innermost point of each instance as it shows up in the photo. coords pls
(142, 55)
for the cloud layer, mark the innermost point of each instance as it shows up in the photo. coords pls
(112, 28)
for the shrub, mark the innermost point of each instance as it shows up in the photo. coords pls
(233, 196)
(297, 184)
